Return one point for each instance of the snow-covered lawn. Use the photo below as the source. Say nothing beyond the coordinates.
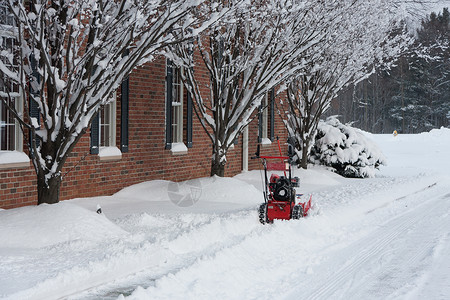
(386, 237)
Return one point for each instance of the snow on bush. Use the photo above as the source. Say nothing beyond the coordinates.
(346, 149)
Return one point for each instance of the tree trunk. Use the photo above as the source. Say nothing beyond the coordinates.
(48, 192)
(304, 160)
(217, 168)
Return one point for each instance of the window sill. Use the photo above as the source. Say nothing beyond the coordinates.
(13, 160)
(109, 153)
(265, 142)
(179, 149)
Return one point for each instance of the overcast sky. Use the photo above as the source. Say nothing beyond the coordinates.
(440, 5)
(444, 3)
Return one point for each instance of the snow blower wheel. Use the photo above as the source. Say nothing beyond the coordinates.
(263, 214)
(297, 212)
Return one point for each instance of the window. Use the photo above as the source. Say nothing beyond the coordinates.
(10, 134)
(177, 106)
(107, 125)
(11, 143)
(8, 130)
(178, 112)
(6, 18)
(103, 133)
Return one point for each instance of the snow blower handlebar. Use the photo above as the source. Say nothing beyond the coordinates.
(257, 155)
(282, 160)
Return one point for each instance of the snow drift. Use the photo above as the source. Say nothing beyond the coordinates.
(46, 225)
(379, 238)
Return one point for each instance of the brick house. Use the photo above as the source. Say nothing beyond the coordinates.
(148, 132)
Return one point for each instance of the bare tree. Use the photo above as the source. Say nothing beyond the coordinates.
(73, 55)
(247, 53)
(360, 40)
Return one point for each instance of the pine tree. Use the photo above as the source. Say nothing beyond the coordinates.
(413, 96)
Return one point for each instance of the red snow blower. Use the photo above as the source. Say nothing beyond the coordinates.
(280, 198)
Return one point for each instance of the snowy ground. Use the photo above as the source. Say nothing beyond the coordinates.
(382, 238)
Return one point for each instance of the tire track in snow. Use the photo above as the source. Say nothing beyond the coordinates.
(230, 238)
(408, 260)
(346, 273)
(350, 275)
(187, 248)
(403, 197)
(438, 274)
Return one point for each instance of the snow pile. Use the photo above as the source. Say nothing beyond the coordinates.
(205, 190)
(10, 157)
(388, 236)
(230, 190)
(46, 225)
(346, 149)
(147, 191)
(109, 152)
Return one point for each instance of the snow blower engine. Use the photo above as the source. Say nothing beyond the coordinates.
(280, 198)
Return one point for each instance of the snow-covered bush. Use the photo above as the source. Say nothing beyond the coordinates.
(346, 149)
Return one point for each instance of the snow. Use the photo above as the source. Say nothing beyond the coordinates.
(386, 237)
(179, 148)
(109, 152)
(266, 141)
(347, 149)
(13, 157)
(76, 223)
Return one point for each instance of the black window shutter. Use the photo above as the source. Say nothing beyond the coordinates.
(260, 120)
(34, 110)
(169, 80)
(272, 114)
(33, 106)
(95, 134)
(124, 112)
(189, 120)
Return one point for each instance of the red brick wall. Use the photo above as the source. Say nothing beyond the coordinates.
(17, 187)
(86, 176)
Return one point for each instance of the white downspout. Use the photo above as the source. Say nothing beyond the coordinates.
(245, 149)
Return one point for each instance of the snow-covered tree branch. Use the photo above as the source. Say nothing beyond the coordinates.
(360, 39)
(70, 56)
(247, 53)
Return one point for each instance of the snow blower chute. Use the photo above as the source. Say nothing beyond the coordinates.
(280, 198)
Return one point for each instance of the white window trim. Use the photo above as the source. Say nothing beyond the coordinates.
(15, 158)
(179, 149)
(112, 125)
(111, 152)
(178, 146)
(19, 134)
(178, 105)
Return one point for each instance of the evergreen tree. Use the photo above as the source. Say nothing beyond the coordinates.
(413, 96)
